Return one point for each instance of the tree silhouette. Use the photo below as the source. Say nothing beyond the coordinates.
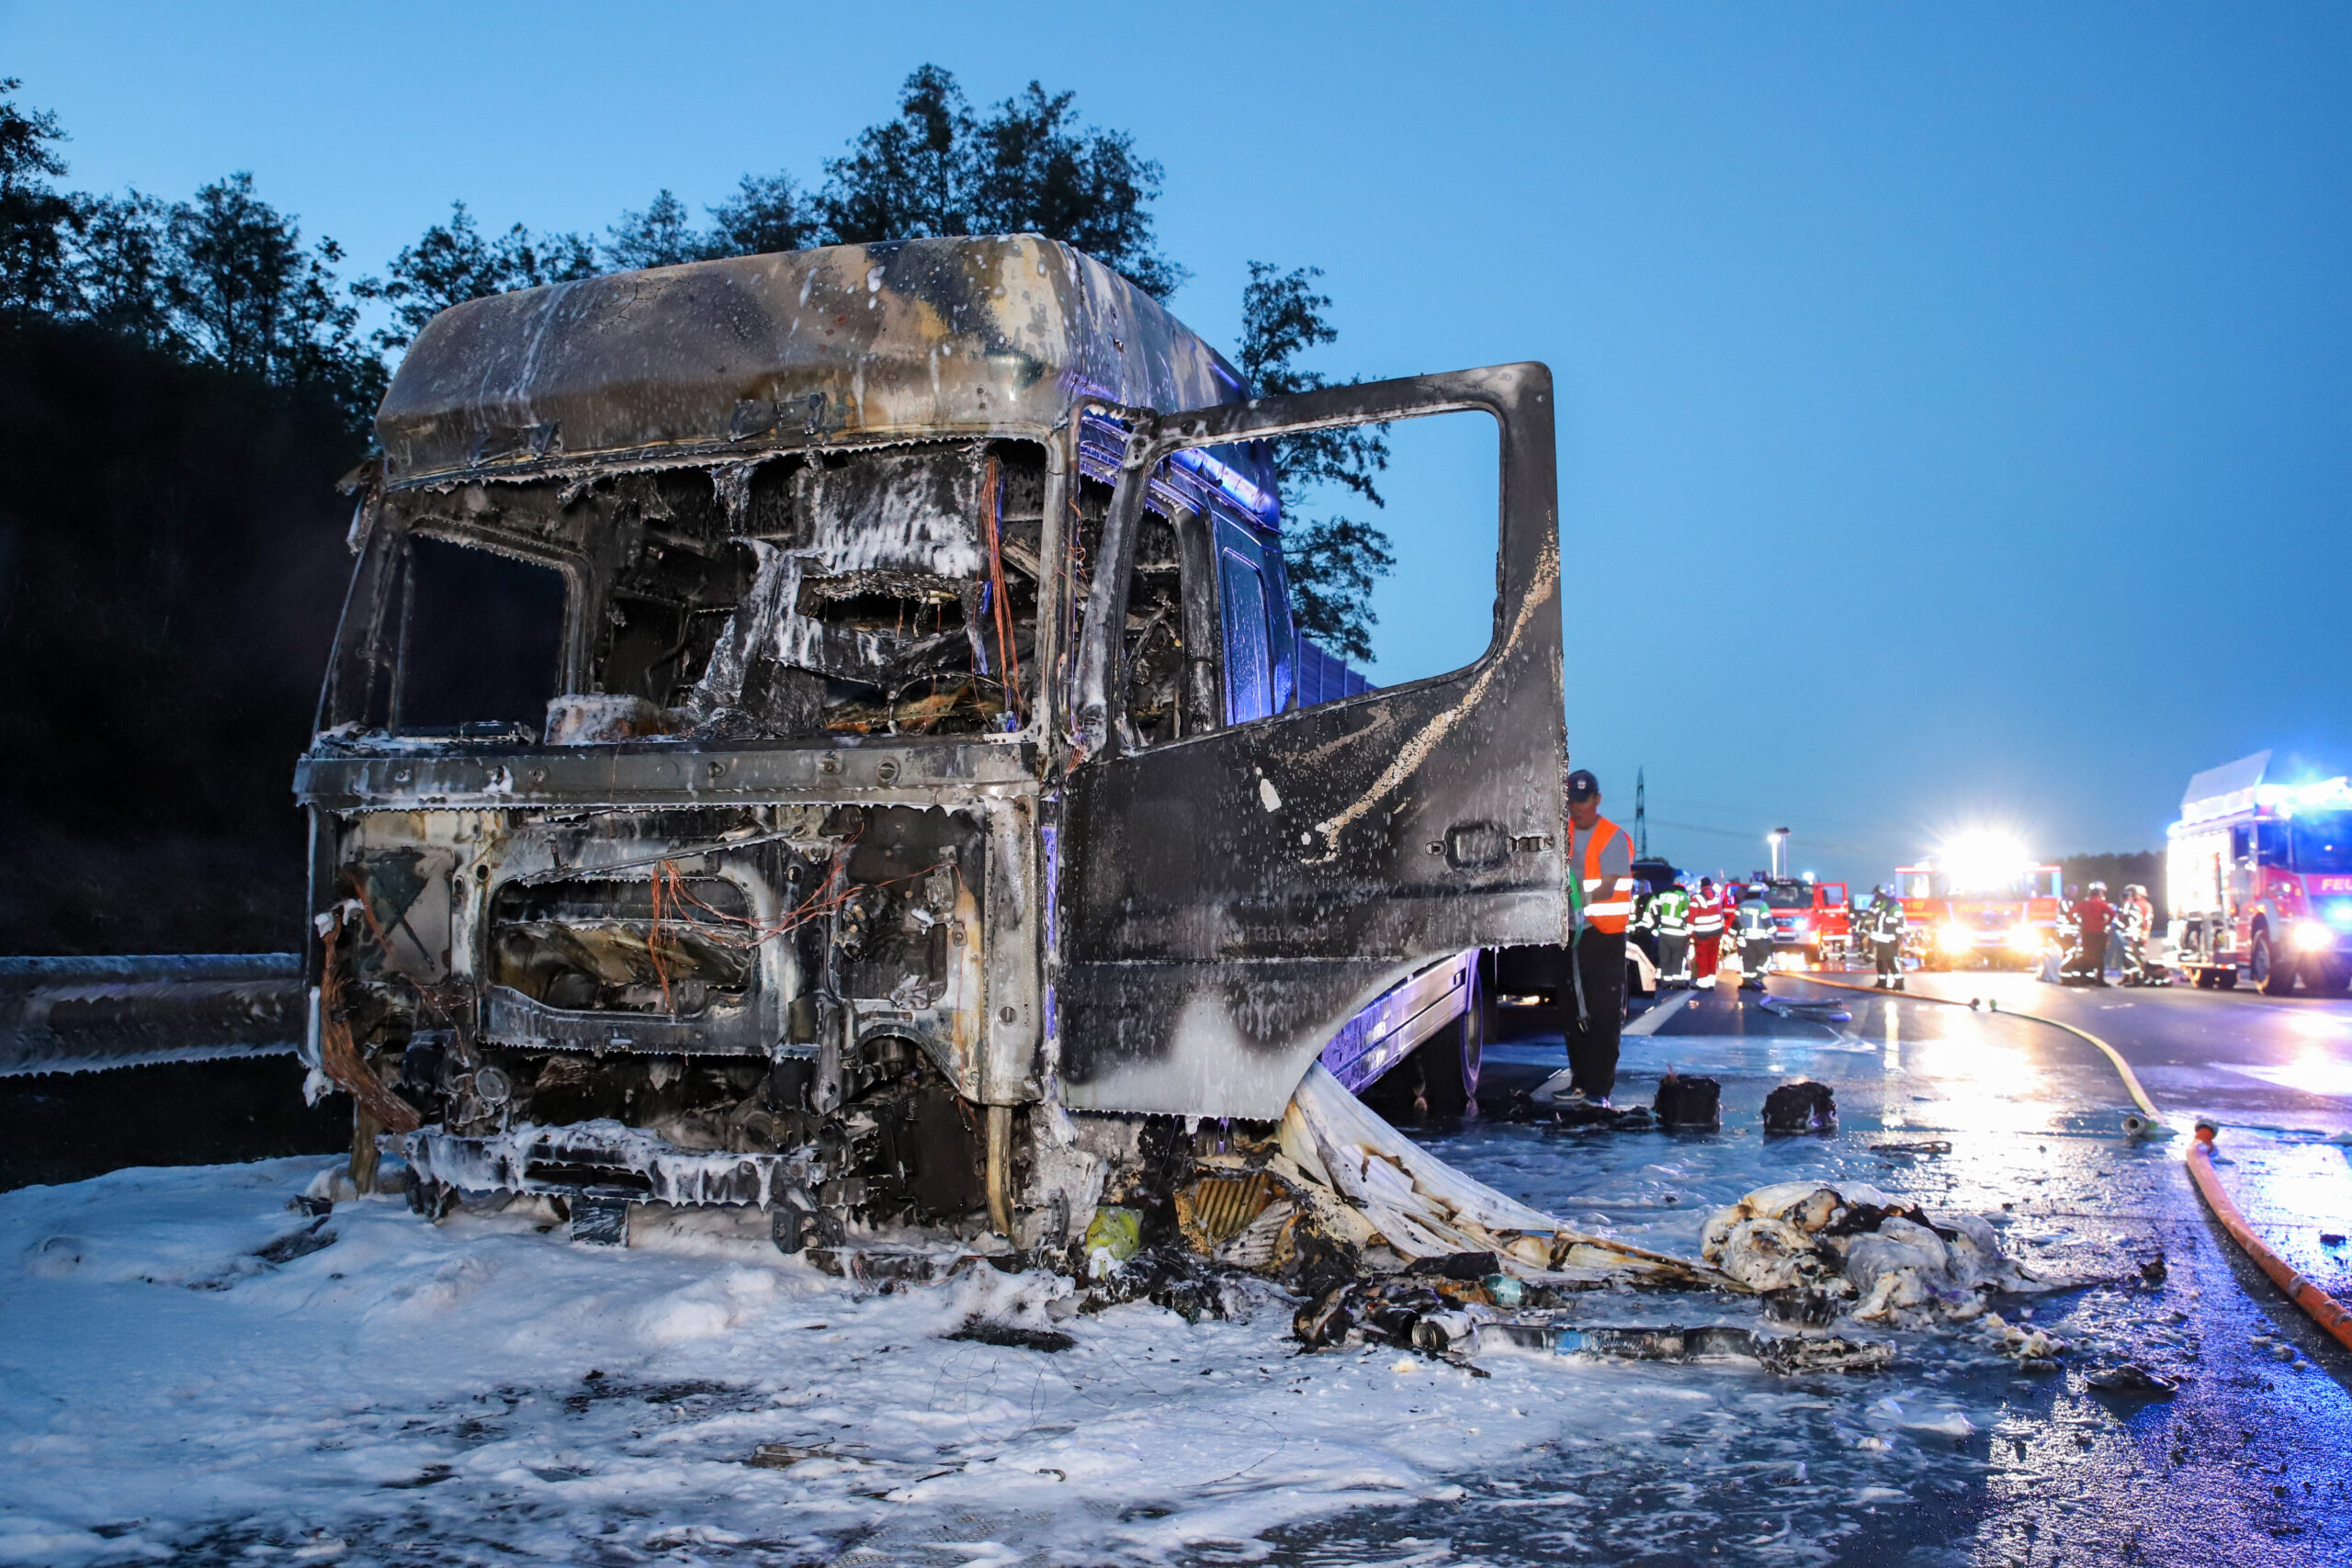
(1332, 562)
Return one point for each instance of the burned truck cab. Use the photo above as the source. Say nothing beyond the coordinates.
(823, 732)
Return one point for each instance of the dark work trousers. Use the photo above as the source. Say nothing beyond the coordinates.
(2094, 955)
(1889, 956)
(1596, 1011)
(1674, 956)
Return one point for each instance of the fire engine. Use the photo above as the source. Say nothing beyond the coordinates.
(2258, 878)
(1978, 904)
(1810, 920)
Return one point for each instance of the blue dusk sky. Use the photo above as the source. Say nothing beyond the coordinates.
(1954, 399)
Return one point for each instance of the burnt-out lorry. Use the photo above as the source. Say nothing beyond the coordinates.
(825, 731)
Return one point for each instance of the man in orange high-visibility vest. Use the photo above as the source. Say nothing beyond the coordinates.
(1600, 888)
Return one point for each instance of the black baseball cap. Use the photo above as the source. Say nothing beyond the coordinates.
(1582, 785)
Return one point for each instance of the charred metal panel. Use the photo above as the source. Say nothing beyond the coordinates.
(1012, 1021)
(917, 511)
(1231, 900)
(909, 340)
(355, 775)
(406, 892)
(906, 947)
(605, 1156)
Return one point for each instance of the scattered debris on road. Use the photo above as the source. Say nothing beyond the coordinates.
(1855, 1251)
(1794, 1109)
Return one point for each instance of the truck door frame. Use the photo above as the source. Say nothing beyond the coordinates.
(1226, 901)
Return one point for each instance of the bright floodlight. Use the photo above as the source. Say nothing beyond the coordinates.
(1983, 860)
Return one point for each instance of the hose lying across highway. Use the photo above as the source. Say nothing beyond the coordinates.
(2130, 1080)
(2324, 1309)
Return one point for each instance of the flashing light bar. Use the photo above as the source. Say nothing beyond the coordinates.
(2326, 795)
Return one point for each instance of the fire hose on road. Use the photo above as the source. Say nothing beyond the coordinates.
(2322, 1309)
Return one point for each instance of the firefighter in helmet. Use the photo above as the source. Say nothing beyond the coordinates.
(1885, 926)
(1672, 908)
(1752, 917)
(2135, 923)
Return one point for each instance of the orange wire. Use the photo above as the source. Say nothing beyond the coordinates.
(1008, 656)
(821, 902)
(653, 937)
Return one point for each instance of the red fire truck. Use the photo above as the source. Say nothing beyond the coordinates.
(1810, 920)
(2258, 878)
(1979, 907)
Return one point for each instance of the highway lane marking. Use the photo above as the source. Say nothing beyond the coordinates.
(2333, 1079)
(1648, 1023)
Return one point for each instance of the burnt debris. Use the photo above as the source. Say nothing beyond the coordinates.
(1795, 1110)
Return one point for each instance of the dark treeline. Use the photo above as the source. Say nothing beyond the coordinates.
(171, 565)
(182, 381)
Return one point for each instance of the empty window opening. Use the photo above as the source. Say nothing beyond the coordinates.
(478, 639)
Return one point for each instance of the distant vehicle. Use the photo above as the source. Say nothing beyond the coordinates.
(2258, 879)
(1810, 919)
(1979, 910)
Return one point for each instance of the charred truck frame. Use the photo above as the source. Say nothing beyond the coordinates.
(928, 820)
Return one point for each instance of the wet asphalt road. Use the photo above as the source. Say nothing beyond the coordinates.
(2251, 1462)
(2260, 1461)
(2233, 1055)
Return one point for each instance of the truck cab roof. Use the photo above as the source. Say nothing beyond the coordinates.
(844, 344)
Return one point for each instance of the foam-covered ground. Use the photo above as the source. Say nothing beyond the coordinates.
(189, 1373)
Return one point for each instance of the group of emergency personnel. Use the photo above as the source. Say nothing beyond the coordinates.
(2094, 936)
(1690, 928)
(1691, 931)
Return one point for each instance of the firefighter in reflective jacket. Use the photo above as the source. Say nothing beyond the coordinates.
(1885, 927)
(1672, 909)
(1601, 888)
(2135, 918)
(1751, 917)
(1706, 932)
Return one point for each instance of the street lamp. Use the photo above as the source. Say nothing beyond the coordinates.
(1776, 837)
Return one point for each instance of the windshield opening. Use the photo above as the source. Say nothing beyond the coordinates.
(478, 640)
(878, 592)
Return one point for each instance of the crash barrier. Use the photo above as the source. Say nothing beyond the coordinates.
(66, 1015)
(2322, 1309)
